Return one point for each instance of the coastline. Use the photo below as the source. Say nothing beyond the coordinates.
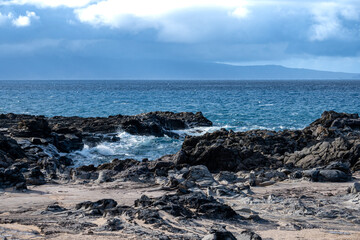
(275, 184)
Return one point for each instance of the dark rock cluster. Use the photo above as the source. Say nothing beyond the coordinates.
(335, 137)
(208, 168)
(32, 147)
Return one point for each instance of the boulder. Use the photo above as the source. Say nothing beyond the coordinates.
(226, 176)
(96, 208)
(333, 137)
(355, 188)
(200, 175)
(34, 177)
(68, 142)
(55, 208)
(153, 123)
(118, 165)
(12, 177)
(219, 233)
(104, 176)
(35, 127)
(112, 224)
(325, 175)
(249, 235)
(10, 149)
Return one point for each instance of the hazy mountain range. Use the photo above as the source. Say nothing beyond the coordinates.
(135, 69)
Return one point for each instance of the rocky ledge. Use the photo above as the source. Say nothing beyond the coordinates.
(257, 184)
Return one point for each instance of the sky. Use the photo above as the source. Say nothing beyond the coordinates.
(83, 35)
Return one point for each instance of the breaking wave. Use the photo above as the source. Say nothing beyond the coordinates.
(140, 147)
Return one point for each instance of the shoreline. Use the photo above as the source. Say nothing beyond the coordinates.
(270, 183)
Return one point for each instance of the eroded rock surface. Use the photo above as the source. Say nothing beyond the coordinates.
(33, 148)
(333, 137)
(222, 185)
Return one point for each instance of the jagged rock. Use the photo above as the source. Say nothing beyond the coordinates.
(296, 175)
(104, 176)
(228, 151)
(355, 188)
(21, 186)
(333, 137)
(204, 205)
(35, 177)
(118, 165)
(63, 160)
(55, 208)
(113, 224)
(334, 119)
(96, 208)
(10, 149)
(227, 176)
(12, 176)
(139, 173)
(324, 175)
(143, 201)
(160, 167)
(249, 235)
(149, 216)
(68, 142)
(325, 152)
(219, 233)
(153, 123)
(35, 127)
(200, 175)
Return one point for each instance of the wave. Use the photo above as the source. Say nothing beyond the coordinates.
(140, 147)
(129, 146)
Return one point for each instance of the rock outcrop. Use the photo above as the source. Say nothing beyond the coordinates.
(335, 137)
(40, 143)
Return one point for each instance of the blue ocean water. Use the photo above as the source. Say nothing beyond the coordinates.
(238, 105)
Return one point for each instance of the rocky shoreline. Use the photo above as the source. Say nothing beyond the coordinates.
(257, 184)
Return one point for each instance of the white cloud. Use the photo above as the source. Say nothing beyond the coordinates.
(48, 3)
(113, 12)
(24, 21)
(4, 18)
(240, 12)
(328, 20)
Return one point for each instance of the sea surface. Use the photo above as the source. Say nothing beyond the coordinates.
(237, 105)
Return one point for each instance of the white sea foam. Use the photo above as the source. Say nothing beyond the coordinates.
(50, 150)
(129, 146)
(198, 131)
(140, 147)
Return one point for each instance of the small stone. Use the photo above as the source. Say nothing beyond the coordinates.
(355, 188)
(249, 235)
(21, 186)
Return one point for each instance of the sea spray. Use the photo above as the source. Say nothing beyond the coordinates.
(139, 147)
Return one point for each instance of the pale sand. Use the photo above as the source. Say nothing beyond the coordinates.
(27, 207)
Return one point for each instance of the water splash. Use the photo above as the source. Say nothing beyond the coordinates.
(129, 146)
(140, 147)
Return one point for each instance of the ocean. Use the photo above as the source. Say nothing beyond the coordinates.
(236, 105)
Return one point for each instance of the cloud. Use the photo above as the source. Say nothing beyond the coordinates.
(48, 3)
(179, 21)
(271, 31)
(175, 21)
(19, 21)
(24, 21)
(331, 19)
(4, 18)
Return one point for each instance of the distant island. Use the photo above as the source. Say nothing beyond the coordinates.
(158, 69)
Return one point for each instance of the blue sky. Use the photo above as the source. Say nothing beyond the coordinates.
(322, 35)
